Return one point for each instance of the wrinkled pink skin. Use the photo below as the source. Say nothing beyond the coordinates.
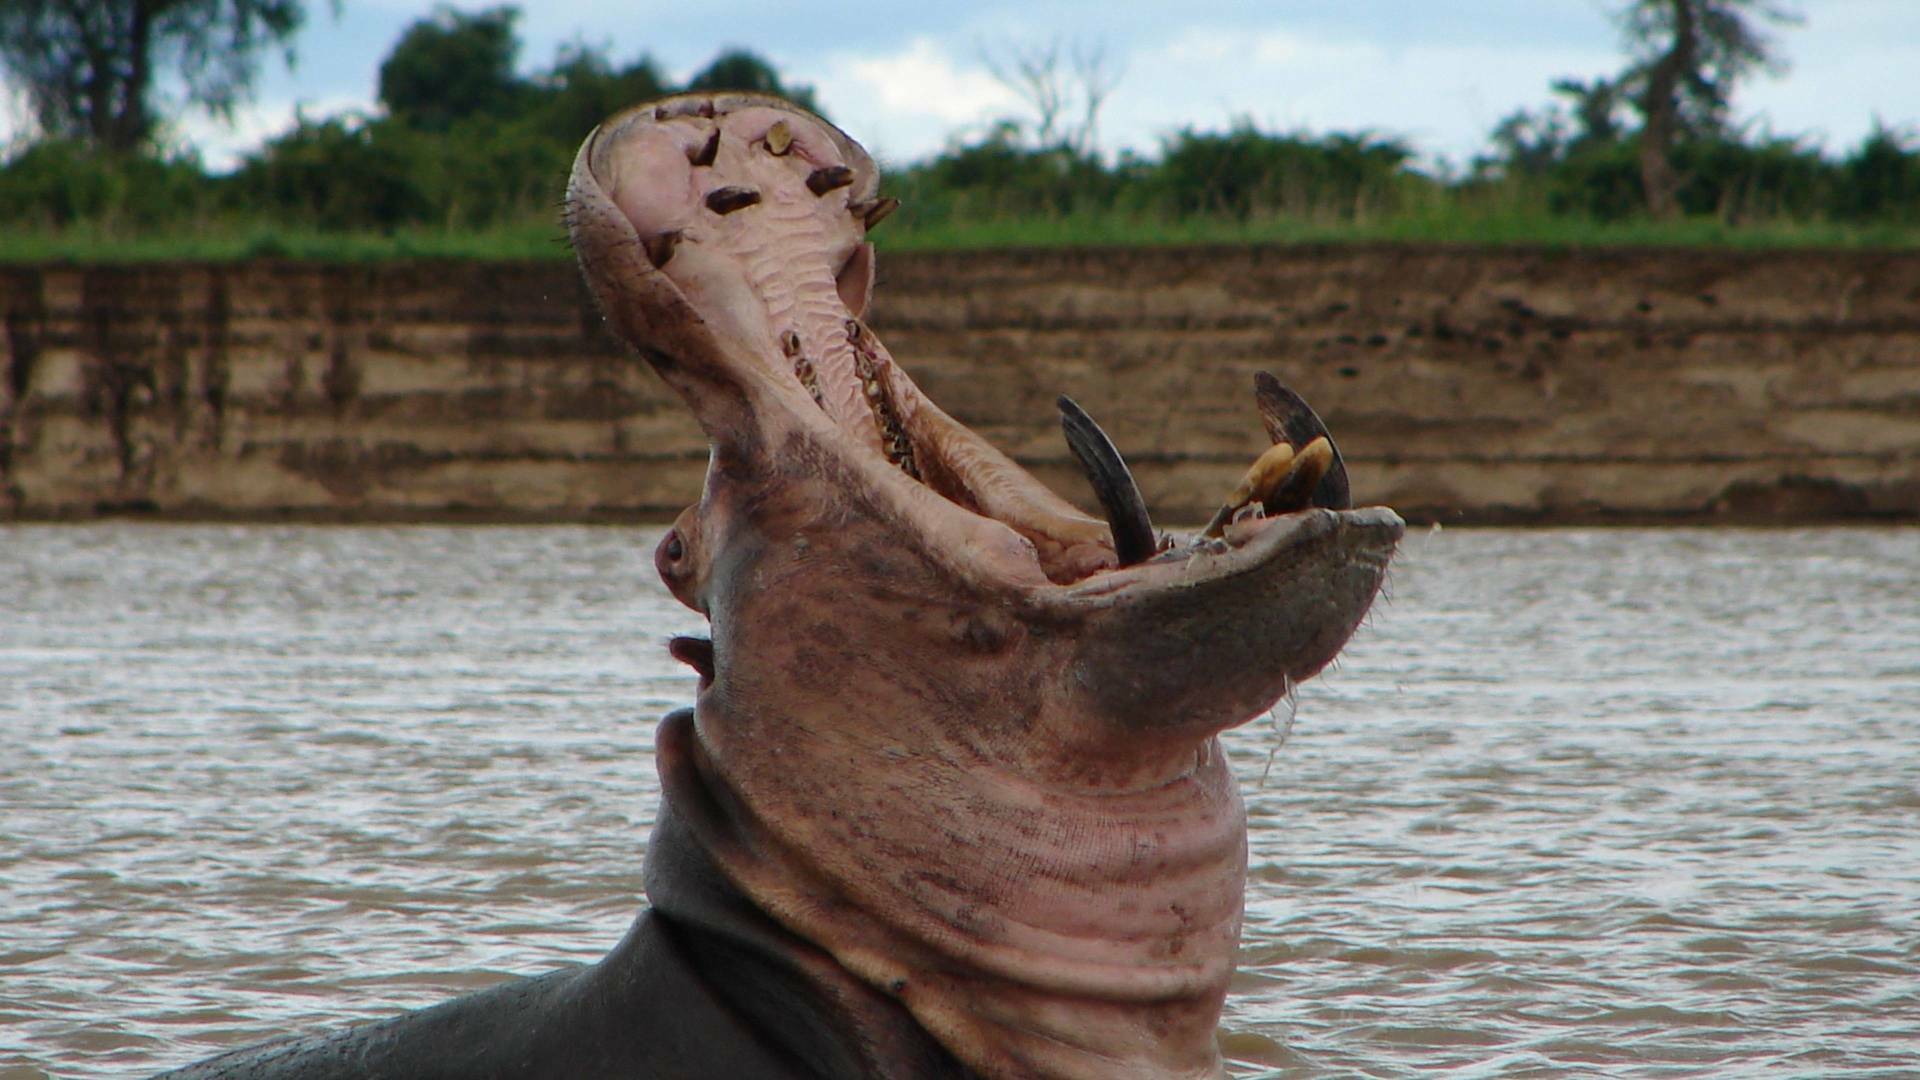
(939, 734)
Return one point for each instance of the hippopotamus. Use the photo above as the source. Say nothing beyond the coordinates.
(951, 800)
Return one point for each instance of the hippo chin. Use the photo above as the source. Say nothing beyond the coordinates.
(951, 800)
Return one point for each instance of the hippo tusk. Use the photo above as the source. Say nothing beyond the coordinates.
(1289, 419)
(1113, 484)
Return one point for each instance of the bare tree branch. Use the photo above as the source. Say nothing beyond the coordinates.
(1051, 91)
(1097, 81)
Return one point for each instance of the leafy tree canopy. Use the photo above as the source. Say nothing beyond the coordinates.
(583, 88)
(739, 69)
(452, 65)
(89, 66)
(1687, 56)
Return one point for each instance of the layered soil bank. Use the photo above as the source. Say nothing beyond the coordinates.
(1462, 385)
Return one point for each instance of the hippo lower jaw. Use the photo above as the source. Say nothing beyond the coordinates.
(942, 732)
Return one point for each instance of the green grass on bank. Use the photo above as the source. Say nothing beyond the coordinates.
(233, 242)
(1467, 230)
(536, 239)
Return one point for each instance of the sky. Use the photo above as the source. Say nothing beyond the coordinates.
(905, 77)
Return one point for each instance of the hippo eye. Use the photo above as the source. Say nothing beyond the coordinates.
(675, 549)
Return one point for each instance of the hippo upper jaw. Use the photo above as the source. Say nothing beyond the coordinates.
(753, 316)
(942, 732)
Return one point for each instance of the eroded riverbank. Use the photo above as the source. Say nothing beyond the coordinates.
(1465, 385)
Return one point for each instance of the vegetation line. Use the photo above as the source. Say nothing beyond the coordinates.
(545, 240)
(466, 155)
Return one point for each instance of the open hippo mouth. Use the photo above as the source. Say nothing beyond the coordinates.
(951, 730)
(725, 237)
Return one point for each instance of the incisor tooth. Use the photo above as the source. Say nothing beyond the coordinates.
(659, 248)
(1266, 472)
(1293, 489)
(779, 138)
(707, 151)
(872, 211)
(828, 177)
(728, 199)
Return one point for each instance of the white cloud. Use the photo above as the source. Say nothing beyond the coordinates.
(1444, 97)
(924, 79)
(1282, 48)
(903, 104)
(1201, 45)
(1848, 63)
(16, 116)
(904, 80)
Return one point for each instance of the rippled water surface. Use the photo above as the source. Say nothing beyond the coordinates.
(1626, 803)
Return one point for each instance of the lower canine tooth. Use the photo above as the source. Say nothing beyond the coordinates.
(1113, 484)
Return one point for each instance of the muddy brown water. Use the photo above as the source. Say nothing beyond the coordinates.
(1626, 803)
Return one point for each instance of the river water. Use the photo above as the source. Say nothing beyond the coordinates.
(1638, 803)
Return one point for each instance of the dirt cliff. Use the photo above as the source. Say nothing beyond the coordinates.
(1463, 384)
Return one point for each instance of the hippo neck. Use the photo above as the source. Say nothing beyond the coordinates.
(789, 991)
(1101, 950)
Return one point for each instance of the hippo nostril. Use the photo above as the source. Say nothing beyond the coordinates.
(675, 549)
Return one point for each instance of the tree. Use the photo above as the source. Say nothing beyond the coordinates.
(583, 88)
(1045, 85)
(1596, 109)
(1529, 143)
(738, 69)
(452, 65)
(1689, 54)
(89, 66)
(1881, 179)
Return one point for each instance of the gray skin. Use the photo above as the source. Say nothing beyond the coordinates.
(951, 800)
(702, 985)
